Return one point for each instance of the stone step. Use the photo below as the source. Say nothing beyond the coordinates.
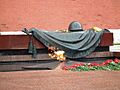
(23, 57)
(28, 65)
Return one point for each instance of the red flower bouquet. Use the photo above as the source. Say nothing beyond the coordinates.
(106, 65)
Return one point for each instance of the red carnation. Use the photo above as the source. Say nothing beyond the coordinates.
(116, 60)
(65, 68)
(94, 64)
(103, 64)
(72, 67)
(78, 64)
(81, 64)
(108, 61)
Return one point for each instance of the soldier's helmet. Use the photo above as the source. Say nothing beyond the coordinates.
(75, 26)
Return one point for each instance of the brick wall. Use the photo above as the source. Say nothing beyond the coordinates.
(57, 14)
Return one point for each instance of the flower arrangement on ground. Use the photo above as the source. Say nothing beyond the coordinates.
(108, 65)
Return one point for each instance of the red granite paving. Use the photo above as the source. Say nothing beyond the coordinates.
(60, 80)
(57, 14)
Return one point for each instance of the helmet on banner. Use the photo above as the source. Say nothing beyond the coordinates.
(75, 26)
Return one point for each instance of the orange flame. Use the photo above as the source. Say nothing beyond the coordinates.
(57, 54)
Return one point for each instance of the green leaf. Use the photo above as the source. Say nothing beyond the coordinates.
(112, 63)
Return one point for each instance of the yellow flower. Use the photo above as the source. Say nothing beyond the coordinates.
(97, 29)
